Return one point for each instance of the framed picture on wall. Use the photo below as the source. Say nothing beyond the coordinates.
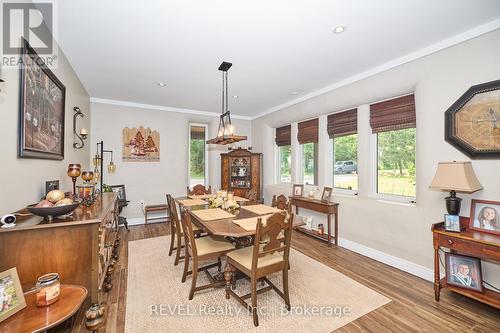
(298, 190)
(463, 271)
(484, 216)
(11, 294)
(51, 185)
(42, 109)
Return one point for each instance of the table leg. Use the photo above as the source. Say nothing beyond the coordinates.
(329, 227)
(336, 227)
(296, 210)
(228, 276)
(437, 278)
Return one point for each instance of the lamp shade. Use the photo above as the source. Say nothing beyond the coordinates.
(456, 176)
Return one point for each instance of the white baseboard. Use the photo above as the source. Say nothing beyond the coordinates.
(404, 265)
(140, 220)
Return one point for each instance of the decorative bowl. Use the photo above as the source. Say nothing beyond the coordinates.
(51, 212)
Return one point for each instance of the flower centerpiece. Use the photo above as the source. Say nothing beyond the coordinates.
(223, 202)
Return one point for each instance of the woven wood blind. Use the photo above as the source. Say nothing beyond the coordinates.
(342, 123)
(197, 133)
(395, 114)
(284, 136)
(308, 131)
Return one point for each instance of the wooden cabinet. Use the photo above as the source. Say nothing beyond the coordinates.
(82, 249)
(241, 172)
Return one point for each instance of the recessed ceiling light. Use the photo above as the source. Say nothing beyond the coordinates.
(339, 29)
(236, 96)
(161, 84)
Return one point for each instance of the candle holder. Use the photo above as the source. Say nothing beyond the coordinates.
(74, 171)
(83, 131)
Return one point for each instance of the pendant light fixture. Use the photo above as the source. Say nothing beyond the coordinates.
(225, 132)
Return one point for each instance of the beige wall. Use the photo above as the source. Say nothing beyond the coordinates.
(150, 181)
(402, 231)
(22, 181)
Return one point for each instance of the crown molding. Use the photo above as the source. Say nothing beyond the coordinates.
(162, 108)
(446, 43)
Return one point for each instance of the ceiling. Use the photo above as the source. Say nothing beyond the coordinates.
(122, 49)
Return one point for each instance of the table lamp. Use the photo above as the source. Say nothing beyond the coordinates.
(455, 177)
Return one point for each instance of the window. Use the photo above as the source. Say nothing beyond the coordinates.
(393, 123)
(310, 163)
(285, 161)
(345, 157)
(283, 139)
(197, 155)
(396, 162)
(342, 128)
(307, 136)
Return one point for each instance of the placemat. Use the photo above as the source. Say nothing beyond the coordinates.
(200, 196)
(261, 209)
(250, 223)
(192, 202)
(240, 199)
(212, 214)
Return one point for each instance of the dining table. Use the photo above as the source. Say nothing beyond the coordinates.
(226, 227)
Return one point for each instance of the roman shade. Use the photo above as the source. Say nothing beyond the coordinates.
(394, 114)
(197, 133)
(342, 123)
(308, 131)
(284, 136)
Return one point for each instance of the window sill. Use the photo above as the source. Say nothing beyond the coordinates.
(398, 203)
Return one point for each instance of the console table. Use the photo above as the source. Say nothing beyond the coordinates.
(40, 319)
(470, 242)
(328, 208)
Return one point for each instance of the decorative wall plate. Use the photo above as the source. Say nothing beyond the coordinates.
(472, 123)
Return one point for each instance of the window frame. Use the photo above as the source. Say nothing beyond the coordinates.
(339, 190)
(412, 200)
(316, 166)
(205, 153)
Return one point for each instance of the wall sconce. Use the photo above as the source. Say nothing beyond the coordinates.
(83, 131)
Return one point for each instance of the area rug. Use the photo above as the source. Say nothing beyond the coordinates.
(322, 299)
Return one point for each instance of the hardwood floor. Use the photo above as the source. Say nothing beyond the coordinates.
(412, 309)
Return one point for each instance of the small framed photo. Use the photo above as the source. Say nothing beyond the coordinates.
(298, 190)
(484, 216)
(327, 193)
(51, 185)
(452, 223)
(11, 294)
(464, 272)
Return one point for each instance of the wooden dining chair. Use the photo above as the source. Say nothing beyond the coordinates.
(199, 190)
(280, 202)
(202, 249)
(177, 231)
(261, 260)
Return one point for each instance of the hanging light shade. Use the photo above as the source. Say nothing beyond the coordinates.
(225, 132)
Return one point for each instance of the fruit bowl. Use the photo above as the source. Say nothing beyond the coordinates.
(51, 212)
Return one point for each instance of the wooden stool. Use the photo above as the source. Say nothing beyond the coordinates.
(155, 208)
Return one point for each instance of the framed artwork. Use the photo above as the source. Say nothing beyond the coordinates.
(11, 294)
(452, 223)
(140, 145)
(41, 115)
(463, 271)
(327, 194)
(484, 216)
(472, 123)
(298, 190)
(51, 185)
